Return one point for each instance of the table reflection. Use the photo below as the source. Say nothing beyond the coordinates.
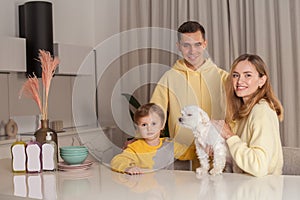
(20, 187)
(240, 187)
(77, 189)
(148, 186)
(173, 185)
(49, 183)
(44, 185)
(100, 182)
(35, 186)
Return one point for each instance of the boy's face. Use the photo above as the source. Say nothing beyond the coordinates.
(149, 127)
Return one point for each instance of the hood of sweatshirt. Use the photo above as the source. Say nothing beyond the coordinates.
(206, 76)
(181, 66)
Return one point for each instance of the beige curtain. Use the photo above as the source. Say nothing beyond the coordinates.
(269, 28)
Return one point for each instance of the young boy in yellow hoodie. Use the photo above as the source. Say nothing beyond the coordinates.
(149, 152)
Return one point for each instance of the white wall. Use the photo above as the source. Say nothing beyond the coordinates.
(80, 22)
(107, 19)
(74, 22)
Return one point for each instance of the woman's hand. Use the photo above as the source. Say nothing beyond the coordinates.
(223, 128)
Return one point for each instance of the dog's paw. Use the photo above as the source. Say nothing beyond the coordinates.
(215, 171)
(201, 171)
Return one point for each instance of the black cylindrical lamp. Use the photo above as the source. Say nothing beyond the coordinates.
(35, 24)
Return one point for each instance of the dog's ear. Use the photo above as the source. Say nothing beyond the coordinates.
(204, 115)
(199, 109)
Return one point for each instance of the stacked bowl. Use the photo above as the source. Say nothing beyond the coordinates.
(74, 155)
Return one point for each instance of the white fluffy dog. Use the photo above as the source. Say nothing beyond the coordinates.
(206, 136)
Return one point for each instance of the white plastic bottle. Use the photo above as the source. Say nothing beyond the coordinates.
(33, 152)
(49, 154)
(18, 155)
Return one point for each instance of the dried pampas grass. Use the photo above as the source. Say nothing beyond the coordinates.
(30, 88)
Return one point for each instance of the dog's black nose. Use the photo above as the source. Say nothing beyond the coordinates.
(180, 119)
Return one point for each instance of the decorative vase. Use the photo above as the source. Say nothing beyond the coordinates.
(41, 134)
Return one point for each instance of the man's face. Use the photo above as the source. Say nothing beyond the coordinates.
(192, 46)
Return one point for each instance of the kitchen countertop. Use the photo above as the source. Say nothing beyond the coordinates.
(99, 182)
(27, 136)
(65, 132)
(97, 139)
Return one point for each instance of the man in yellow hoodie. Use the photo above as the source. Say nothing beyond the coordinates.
(193, 80)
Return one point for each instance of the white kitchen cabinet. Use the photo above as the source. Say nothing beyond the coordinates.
(75, 59)
(12, 54)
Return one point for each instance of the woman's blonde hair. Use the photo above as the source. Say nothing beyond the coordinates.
(236, 108)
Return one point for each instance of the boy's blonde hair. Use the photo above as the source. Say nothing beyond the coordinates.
(146, 110)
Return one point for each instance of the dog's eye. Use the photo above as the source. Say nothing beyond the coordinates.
(189, 115)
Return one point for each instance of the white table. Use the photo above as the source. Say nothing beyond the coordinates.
(99, 182)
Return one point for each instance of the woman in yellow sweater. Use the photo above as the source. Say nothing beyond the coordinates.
(253, 112)
(149, 152)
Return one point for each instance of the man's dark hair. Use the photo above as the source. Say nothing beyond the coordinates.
(190, 27)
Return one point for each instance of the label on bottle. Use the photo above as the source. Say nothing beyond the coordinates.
(33, 158)
(48, 156)
(19, 157)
